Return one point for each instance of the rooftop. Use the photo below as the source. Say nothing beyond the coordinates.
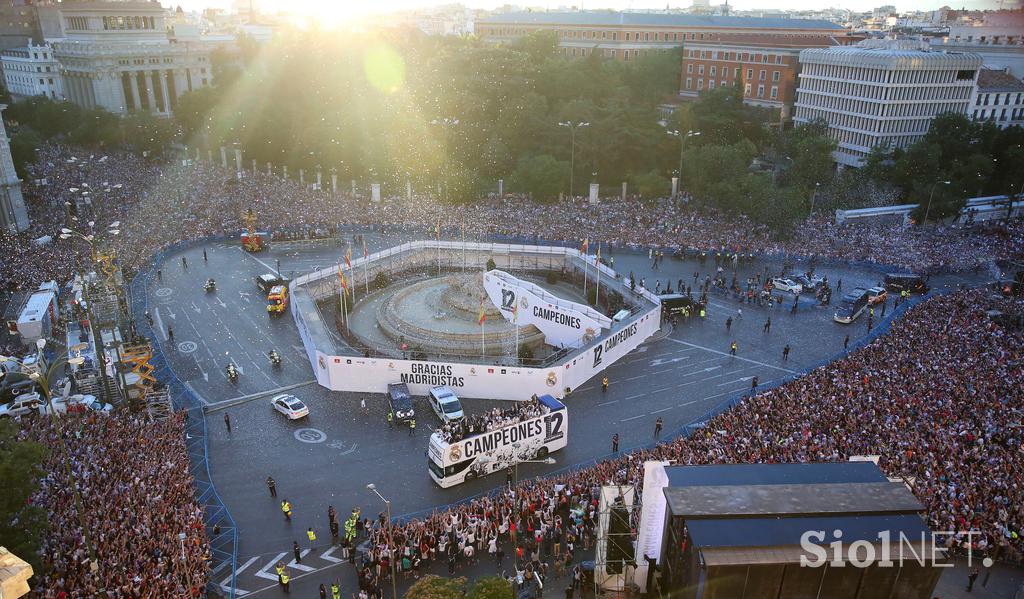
(994, 80)
(635, 19)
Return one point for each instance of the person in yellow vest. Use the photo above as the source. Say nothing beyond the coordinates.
(732, 349)
(335, 591)
(311, 535)
(287, 509)
(284, 581)
(280, 571)
(412, 426)
(702, 313)
(604, 384)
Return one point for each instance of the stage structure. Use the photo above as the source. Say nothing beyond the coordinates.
(431, 313)
(618, 515)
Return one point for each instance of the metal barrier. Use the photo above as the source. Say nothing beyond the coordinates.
(224, 544)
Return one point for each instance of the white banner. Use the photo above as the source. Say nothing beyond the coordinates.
(594, 187)
(652, 520)
(564, 323)
(375, 192)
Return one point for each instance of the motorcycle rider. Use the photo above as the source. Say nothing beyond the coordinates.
(275, 358)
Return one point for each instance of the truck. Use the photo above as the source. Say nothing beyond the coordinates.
(277, 300)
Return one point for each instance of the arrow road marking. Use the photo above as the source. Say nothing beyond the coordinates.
(327, 555)
(196, 308)
(298, 566)
(262, 573)
(350, 450)
(226, 583)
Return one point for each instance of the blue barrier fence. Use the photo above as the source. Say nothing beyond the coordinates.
(223, 544)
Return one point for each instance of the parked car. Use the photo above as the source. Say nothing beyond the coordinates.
(445, 404)
(22, 405)
(784, 284)
(809, 282)
(290, 406)
(877, 295)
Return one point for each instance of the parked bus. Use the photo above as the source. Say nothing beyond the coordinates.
(852, 306)
(483, 453)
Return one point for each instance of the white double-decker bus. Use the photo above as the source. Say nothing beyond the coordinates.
(483, 453)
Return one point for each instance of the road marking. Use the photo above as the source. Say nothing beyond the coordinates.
(739, 380)
(662, 410)
(262, 573)
(269, 267)
(687, 403)
(635, 396)
(327, 555)
(722, 353)
(632, 418)
(159, 323)
(226, 583)
(196, 308)
(608, 402)
(298, 566)
(227, 403)
(633, 378)
(310, 435)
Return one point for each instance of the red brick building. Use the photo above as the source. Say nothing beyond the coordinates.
(764, 65)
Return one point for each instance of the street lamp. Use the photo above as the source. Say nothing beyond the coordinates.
(387, 504)
(42, 378)
(813, 196)
(928, 208)
(573, 127)
(682, 145)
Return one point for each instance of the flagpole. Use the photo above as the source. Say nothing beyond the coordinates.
(597, 267)
(438, 231)
(586, 253)
(366, 276)
(516, 324)
(354, 285)
(463, 245)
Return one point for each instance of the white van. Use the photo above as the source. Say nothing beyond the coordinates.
(445, 404)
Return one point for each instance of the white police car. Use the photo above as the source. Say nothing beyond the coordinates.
(784, 284)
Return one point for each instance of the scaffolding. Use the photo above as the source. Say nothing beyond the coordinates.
(158, 404)
(136, 357)
(618, 519)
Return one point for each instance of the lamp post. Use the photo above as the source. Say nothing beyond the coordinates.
(682, 145)
(813, 197)
(445, 124)
(573, 127)
(101, 355)
(42, 378)
(387, 504)
(931, 195)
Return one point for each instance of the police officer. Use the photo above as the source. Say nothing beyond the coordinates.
(732, 349)
(335, 590)
(279, 567)
(272, 486)
(391, 419)
(287, 509)
(657, 427)
(311, 535)
(604, 384)
(615, 443)
(284, 581)
(412, 426)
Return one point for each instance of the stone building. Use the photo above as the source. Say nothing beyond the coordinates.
(13, 215)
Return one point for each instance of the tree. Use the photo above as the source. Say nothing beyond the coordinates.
(541, 176)
(490, 587)
(22, 523)
(809, 149)
(435, 587)
(652, 185)
(24, 144)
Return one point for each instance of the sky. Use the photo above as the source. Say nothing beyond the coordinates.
(341, 8)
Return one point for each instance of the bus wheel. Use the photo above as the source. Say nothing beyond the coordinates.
(471, 475)
(541, 453)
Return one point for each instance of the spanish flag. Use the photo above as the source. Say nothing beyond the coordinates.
(585, 246)
(341, 279)
(483, 317)
(348, 258)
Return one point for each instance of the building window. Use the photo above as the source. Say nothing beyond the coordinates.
(689, 69)
(700, 69)
(746, 90)
(700, 84)
(760, 91)
(689, 83)
(711, 84)
(723, 83)
(629, 36)
(764, 58)
(647, 36)
(775, 92)
(750, 73)
(778, 59)
(736, 73)
(762, 73)
(775, 75)
(714, 70)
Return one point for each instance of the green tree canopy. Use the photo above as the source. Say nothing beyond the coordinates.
(22, 524)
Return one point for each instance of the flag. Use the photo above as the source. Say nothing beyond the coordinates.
(515, 312)
(483, 317)
(585, 246)
(599, 252)
(348, 258)
(341, 279)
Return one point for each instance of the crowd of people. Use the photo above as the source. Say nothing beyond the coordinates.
(492, 420)
(159, 204)
(937, 398)
(934, 397)
(120, 537)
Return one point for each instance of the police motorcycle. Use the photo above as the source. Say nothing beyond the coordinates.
(275, 358)
(210, 285)
(232, 372)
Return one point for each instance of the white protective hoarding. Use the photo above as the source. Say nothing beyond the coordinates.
(652, 519)
(564, 323)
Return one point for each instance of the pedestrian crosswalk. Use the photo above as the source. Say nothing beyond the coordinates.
(256, 573)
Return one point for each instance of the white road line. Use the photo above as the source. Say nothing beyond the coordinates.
(327, 555)
(739, 380)
(262, 573)
(298, 566)
(159, 323)
(722, 353)
(608, 402)
(635, 396)
(226, 583)
(662, 410)
(269, 267)
(238, 592)
(687, 403)
(633, 378)
(632, 418)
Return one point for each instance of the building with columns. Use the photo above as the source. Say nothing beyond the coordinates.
(881, 92)
(117, 55)
(13, 214)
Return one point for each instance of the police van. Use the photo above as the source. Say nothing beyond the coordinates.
(481, 454)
